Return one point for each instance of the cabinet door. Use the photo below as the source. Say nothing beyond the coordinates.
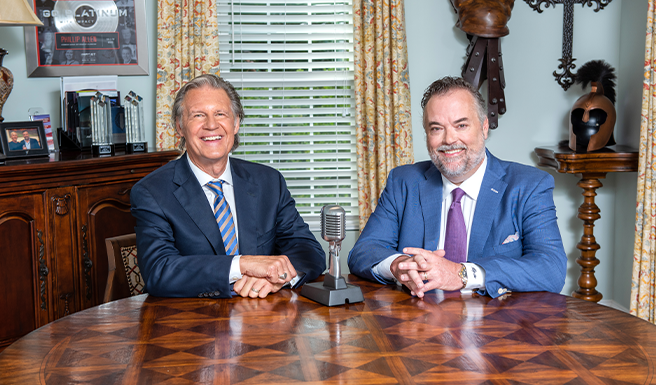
(61, 221)
(25, 290)
(104, 211)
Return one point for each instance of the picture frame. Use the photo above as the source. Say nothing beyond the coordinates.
(14, 135)
(78, 38)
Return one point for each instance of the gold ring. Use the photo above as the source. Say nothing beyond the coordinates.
(425, 276)
(283, 277)
(255, 290)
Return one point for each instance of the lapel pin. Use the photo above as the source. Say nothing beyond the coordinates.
(494, 190)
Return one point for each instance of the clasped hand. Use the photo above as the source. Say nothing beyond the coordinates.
(422, 270)
(263, 274)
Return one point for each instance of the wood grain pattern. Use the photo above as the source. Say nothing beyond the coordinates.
(390, 338)
(590, 167)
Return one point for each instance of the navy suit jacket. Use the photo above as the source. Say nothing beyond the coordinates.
(180, 249)
(513, 199)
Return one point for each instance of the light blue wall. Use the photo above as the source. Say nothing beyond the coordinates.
(537, 107)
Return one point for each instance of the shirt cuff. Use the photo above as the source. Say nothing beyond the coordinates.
(235, 271)
(384, 268)
(475, 276)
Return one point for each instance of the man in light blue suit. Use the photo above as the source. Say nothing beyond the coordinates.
(510, 239)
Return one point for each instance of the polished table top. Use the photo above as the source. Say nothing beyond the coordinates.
(520, 338)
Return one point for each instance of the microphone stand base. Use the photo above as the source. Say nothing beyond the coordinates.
(332, 291)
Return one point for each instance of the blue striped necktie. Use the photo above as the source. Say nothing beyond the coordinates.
(224, 219)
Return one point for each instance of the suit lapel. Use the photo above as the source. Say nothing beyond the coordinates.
(246, 201)
(191, 197)
(430, 199)
(487, 205)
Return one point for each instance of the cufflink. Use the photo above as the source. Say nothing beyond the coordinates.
(502, 290)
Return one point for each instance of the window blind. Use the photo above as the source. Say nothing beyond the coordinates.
(292, 64)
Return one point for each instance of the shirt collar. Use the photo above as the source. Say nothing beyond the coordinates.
(471, 186)
(204, 178)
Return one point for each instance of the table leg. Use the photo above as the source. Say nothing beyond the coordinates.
(588, 213)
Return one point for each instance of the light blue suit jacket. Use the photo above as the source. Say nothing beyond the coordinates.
(513, 199)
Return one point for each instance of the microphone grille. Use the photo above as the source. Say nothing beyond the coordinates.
(333, 219)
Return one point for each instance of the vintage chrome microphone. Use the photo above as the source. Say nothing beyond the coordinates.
(334, 290)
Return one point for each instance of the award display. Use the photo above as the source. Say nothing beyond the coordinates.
(135, 137)
(101, 125)
(82, 37)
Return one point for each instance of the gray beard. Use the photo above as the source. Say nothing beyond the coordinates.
(450, 173)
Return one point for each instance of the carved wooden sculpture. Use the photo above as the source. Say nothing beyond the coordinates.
(485, 21)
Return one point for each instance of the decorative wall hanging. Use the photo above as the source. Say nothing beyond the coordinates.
(100, 37)
(592, 118)
(485, 22)
(566, 78)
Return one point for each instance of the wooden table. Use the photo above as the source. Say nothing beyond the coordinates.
(590, 167)
(390, 338)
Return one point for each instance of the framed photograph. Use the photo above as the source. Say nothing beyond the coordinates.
(100, 37)
(23, 139)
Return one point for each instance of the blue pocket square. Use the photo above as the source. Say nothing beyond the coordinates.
(511, 238)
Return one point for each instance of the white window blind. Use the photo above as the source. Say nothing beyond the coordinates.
(292, 64)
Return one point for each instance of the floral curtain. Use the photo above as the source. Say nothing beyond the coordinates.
(643, 294)
(187, 46)
(382, 93)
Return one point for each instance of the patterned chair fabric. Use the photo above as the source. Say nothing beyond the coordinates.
(135, 282)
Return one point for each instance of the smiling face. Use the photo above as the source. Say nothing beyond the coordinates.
(69, 54)
(455, 137)
(14, 136)
(26, 136)
(209, 128)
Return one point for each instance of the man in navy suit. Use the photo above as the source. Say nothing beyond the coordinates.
(511, 240)
(180, 246)
(29, 143)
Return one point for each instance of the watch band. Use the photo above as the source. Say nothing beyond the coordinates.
(463, 275)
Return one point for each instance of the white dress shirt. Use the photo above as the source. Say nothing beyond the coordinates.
(471, 187)
(229, 193)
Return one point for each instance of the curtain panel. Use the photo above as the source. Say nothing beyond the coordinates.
(187, 46)
(382, 97)
(643, 295)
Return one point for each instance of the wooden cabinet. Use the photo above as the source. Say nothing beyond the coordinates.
(55, 214)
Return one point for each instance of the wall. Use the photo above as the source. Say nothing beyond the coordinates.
(537, 114)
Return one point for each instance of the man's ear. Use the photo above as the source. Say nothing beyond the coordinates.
(486, 126)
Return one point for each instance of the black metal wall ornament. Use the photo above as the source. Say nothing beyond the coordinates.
(566, 78)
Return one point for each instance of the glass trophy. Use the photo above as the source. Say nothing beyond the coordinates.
(135, 138)
(101, 125)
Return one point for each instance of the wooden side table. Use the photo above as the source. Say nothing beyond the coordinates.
(590, 167)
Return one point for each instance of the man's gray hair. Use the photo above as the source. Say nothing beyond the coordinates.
(214, 82)
(448, 84)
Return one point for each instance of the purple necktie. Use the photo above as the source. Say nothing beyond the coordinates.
(455, 243)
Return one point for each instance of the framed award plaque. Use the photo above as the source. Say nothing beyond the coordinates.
(100, 37)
